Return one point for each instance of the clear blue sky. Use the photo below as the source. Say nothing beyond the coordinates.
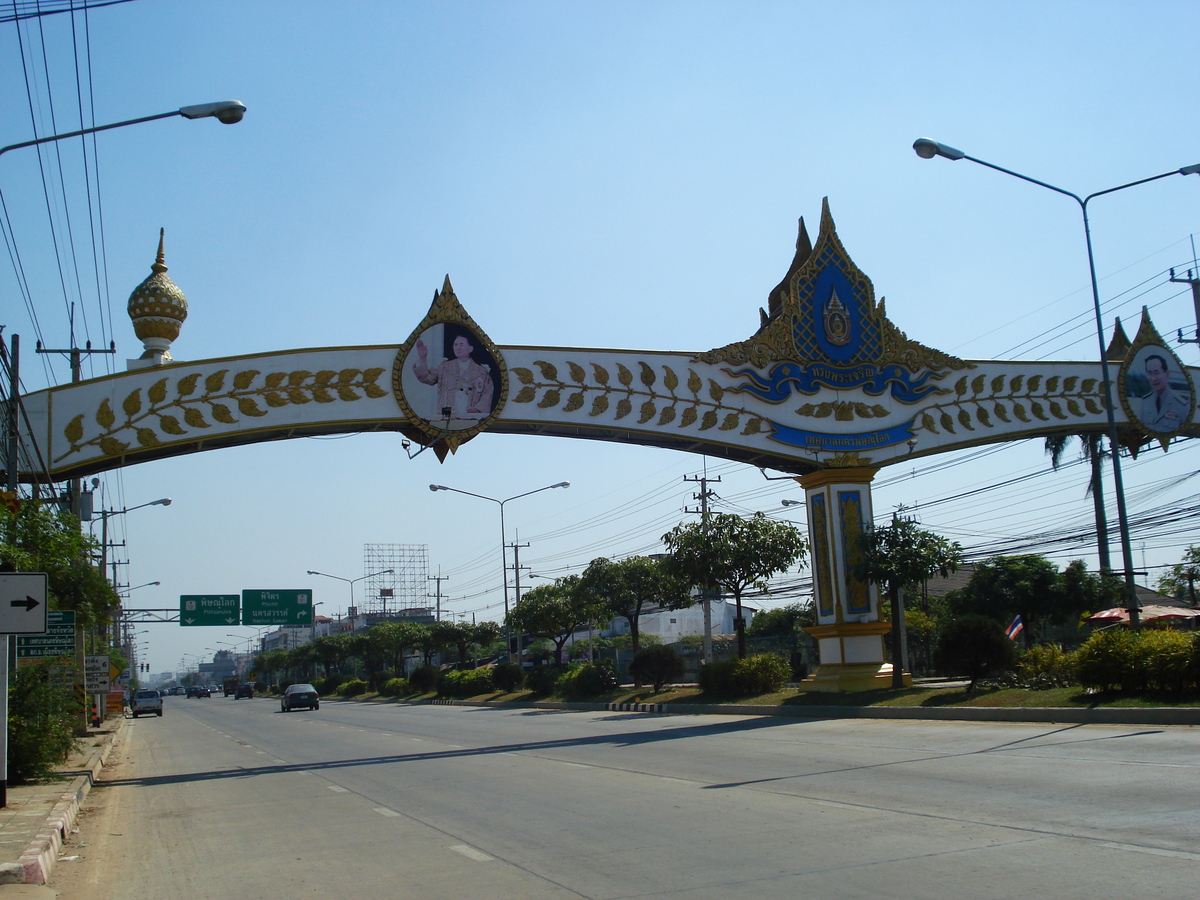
(589, 174)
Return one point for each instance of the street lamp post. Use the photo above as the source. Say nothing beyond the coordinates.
(349, 581)
(225, 111)
(503, 538)
(928, 149)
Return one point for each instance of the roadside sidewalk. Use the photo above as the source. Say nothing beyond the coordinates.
(38, 817)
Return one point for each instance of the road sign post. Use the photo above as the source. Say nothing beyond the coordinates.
(23, 603)
(57, 639)
(209, 609)
(281, 607)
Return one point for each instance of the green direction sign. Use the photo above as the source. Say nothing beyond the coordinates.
(277, 608)
(59, 639)
(209, 609)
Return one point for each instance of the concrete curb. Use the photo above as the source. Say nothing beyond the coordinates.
(1033, 715)
(37, 862)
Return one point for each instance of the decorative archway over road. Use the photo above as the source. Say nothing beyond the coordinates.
(827, 389)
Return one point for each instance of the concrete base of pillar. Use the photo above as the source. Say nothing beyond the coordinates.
(832, 678)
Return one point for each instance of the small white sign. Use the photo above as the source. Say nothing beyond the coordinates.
(96, 671)
(23, 603)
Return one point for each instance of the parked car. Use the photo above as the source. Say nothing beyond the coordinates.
(298, 696)
(198, 690)
(145, 702)
(244, 690)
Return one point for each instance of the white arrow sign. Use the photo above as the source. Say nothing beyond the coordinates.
(23, 603)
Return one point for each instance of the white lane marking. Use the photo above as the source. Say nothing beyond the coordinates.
(574, 765)
(1154, 851)
(454, 746)
(418, 740)
(384, 811)
(471, 853)
(282, 762)
(337, 789)
(263, 752)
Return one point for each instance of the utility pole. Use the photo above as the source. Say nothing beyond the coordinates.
(702, 496)
(1195, 283)
(439, 578)
(76, 354)
(516, 549)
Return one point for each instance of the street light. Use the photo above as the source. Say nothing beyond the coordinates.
(349, 581)
(503, 535)
(225, 111)
(135, 587)
(106, 514)
(928, 149)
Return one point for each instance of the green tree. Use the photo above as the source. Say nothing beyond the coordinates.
(332, 651)
(625, 588)
(1091, 448)
(556, 610)
(42, 714)
(464, 635)
(1180, 580)
(394, 640)
(37, 539)
(1028, 586)
(657, 665)
(372, 651)
(901, 555)
(785, 621)
(975, 646)
(734, 554)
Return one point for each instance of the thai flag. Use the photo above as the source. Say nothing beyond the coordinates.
(1015, 628)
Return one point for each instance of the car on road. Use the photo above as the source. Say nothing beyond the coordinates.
(198, 690)
(244, 690)
(145, 702)
(299, 696)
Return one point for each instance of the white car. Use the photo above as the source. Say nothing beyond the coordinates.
(145, 702)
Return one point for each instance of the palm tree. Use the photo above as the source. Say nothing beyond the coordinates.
(1091, 446)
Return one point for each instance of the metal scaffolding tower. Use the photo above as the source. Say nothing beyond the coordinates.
(405, 588)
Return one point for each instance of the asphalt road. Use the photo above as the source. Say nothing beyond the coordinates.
(223, 798)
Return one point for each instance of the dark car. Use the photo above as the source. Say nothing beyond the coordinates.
(244, 690)
(198, 690)
(299, 696)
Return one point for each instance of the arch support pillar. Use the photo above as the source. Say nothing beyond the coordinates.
(848, 632)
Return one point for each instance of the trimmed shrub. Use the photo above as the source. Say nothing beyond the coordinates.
(1045, 666)
(261, 687)
(42, 718)
(465, 683)
(330, 683)
(1112, 660)
(582, 681)
(1168, 657)
(507, 677)
(543, 680)
(425, 679)
(351, 688)
(974, 646)
(763, 673)
(395, 687)
(657, 666)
